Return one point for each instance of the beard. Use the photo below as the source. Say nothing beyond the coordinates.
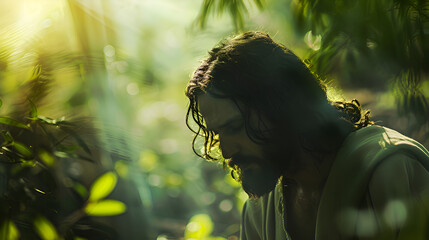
(259, 181)
(257, 176)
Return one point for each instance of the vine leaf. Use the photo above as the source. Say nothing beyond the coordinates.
(33, 110)
(105, 208)
(22, 149)
(12, 122)
(80, 189)
(8, 230)
(46, 157)
(45, 229)
(103, 186)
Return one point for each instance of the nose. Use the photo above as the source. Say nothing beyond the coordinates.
(228, 146)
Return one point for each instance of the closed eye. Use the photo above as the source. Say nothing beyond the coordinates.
(233, 127)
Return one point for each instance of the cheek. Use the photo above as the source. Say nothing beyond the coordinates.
(257, 151)
(249, 146)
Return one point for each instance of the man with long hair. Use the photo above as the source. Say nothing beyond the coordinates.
(313, 168)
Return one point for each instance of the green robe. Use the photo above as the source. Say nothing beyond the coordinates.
(377, 188)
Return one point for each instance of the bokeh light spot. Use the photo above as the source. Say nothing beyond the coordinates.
(225, 205)
(395, 213)
(208, 198)
(109, 51)
(133, 88)
(155, 180)
(168, 145)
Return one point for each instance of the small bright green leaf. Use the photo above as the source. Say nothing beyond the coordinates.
(105, 208)
(33, 110)
(9, 231)
(27, 163)
(80, 189)
(45, 229)
(121, 168)
(46, 157)
(1, 102)
(103, 186)
(21, 148)
(12, 122)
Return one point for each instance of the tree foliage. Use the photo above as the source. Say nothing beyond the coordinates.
(236, 8)
(33, 187)
(364, 43)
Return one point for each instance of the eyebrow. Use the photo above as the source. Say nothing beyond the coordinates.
(225, 124)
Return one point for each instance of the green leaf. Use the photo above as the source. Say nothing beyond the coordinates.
(9, 231)
(12, 122)
(7, 137)
(46, 157)
(1, 102)
(33, 110)
(237, 9)
(45, 229)
(103, 186)
(61, 154)
(80, 189)
(27, 163)
(21, 148)
(105, 208)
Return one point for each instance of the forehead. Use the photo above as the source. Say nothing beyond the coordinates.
(217, 111)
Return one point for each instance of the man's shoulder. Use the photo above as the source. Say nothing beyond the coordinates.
(361, 154)
(370, 158)
(377, 142)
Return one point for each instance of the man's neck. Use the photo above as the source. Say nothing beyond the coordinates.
(312, 173)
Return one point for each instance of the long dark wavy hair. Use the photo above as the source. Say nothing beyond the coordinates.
(269, 79)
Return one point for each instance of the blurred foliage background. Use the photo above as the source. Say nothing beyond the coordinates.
(94, 140)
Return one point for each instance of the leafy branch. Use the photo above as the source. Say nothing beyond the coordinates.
(29, 159)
